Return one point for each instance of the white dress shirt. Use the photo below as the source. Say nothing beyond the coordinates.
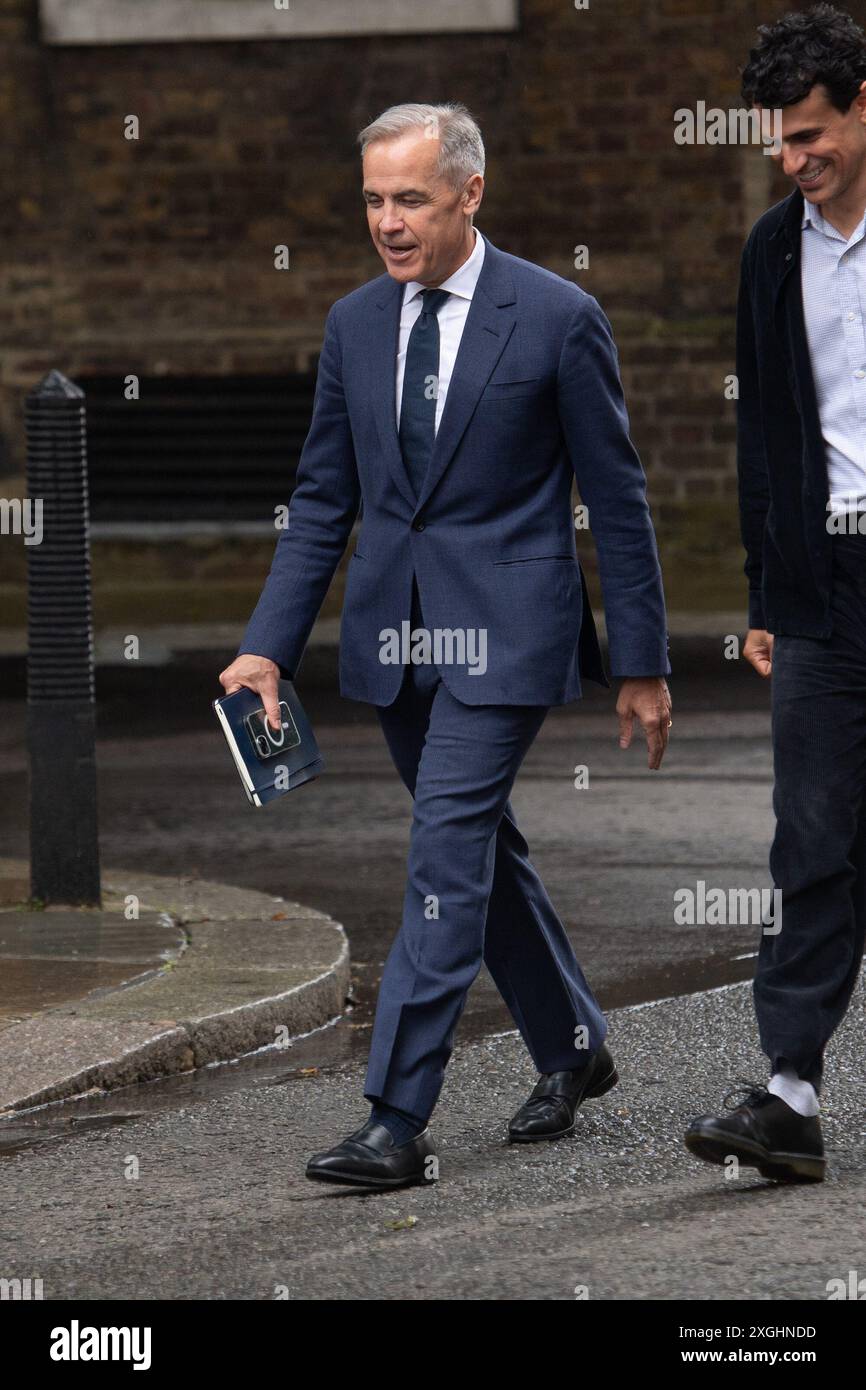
(452, 320)
(833, 278)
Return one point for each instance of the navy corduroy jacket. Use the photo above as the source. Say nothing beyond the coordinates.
(781, 461)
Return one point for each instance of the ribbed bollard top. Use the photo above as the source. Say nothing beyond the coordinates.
(59, 615)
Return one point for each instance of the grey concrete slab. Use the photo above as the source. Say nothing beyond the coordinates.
(29, 986)
(92, 936)
(59, 1054)
(234, 993)
(48, 958)
(232, 970)
(189, 898)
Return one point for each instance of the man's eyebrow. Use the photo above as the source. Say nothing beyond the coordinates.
(808, 134)
(401, 193)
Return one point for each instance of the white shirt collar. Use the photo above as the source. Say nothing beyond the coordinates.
(462, 282)
(813, 214)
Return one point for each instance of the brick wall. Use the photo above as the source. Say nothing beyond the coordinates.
(156, 255)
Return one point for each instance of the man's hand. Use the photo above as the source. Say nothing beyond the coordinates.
(758, 650)
(649, 700)
(257, 673)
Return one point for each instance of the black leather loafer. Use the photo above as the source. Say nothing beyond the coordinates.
(762, 1132)
(549, 1112)
(370, 1158)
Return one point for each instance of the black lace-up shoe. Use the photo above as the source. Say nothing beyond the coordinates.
(762, 1132)
(550, 1109)
(370, 1158)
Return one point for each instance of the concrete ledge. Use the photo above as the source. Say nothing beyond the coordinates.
(255, 968)
(161, 21)
(239, 983)
(58, 1055)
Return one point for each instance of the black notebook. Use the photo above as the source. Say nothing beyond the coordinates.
(270, 761)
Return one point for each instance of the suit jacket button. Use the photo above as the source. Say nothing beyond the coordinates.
(417, 525)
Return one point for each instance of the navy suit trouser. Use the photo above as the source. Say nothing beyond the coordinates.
(472, 894)
(807, 972)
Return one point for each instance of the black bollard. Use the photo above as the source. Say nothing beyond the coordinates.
(61, 722)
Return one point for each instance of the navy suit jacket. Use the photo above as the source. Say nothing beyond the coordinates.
(534, 400)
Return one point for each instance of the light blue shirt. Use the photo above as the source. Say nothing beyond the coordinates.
(833, 278)
(452, 318)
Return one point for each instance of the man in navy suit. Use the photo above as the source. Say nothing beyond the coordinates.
(458, 396)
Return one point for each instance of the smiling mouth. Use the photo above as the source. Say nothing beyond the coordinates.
(397, 250)
(813, 177)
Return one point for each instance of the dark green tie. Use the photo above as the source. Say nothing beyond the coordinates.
(420, 387)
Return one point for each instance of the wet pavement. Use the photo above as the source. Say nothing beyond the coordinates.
(237, 971)
(52, 957)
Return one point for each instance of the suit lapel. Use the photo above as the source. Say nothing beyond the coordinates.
(488, 327)
(382, 378)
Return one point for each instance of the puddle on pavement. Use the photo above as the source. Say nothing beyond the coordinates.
(36, 1128)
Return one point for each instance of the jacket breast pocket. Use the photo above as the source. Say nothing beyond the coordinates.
(560, 555)
(506, 390)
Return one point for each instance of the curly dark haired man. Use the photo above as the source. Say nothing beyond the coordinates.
(801, 437)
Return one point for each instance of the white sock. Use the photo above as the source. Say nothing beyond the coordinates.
(790, 1088)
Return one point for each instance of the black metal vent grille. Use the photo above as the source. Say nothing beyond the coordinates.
(195, 448)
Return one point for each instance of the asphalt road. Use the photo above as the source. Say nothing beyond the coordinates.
(207, 1200)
